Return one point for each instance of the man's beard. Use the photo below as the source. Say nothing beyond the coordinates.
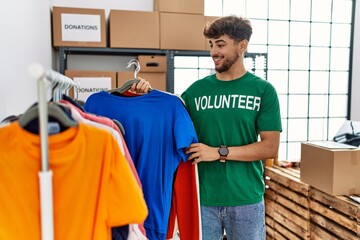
(228, 62)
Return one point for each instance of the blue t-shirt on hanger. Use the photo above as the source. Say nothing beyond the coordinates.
(158, 129)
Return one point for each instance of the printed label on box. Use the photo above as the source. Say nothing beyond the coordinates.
(90, 85)
(81, 27)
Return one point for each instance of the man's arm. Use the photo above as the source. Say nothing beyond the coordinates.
(266, 148)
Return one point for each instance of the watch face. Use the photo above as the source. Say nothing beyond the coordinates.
(223, 151)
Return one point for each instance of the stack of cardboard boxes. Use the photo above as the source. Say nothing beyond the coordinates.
(173, 25)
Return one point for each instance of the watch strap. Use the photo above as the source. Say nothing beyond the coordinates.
(223, 159)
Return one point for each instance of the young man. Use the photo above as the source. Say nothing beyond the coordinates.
(230, 110)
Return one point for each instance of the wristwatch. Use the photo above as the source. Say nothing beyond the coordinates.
(223, 151)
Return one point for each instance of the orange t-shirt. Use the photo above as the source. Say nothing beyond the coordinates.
(93, 186)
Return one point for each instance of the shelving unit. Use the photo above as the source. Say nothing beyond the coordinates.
(170, 55)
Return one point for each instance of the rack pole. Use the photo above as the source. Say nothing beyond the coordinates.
(45, 175)
(43, 122)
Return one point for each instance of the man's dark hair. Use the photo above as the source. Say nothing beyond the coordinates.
(237, 28)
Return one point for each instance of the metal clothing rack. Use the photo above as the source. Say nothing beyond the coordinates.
(45, 175)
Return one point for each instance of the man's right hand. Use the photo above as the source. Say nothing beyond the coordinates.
(141, 87)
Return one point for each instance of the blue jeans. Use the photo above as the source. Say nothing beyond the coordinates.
(239, 222)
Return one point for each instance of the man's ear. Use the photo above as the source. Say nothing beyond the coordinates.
(243, 45)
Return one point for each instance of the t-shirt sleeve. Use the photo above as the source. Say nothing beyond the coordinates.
(269, 116)
(184, 132)
(184, 98)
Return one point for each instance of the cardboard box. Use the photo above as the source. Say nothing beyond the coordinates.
(79, 27)
(180, 6)
(179, 31)
(91, 82)
(208, 19)
(134, 29)
(151, 63)
(333, 171)
(157, 79)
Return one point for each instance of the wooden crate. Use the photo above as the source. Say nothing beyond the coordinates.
(286, 204)
(295, 210)
(333, 217)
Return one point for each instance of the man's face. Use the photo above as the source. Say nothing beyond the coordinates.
(224, 52)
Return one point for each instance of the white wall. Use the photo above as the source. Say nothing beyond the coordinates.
(25, 39)
(355, 93)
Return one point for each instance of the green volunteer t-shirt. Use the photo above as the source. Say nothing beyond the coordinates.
(232, 113)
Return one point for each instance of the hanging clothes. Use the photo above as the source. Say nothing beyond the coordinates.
(106, 123)
(158, 130)
(93, 186)
(80, 115)
(185, 204)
